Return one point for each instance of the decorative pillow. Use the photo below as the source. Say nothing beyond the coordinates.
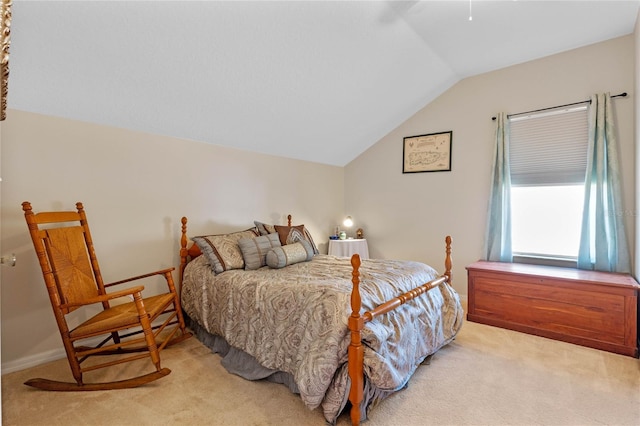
(290, 234)
(254, 250)
(293, 234)
(223, 251)
(309, 238)
(264, 229)
(194, 251)
(289, 254)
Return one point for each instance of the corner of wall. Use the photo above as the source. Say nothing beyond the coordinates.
(637, 144)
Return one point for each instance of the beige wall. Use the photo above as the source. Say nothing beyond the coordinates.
(407, 216)
(135, 188)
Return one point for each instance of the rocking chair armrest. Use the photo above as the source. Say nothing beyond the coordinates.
(139, 277)
(105, 297)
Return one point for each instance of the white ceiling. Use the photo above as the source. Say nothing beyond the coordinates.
(319, 81)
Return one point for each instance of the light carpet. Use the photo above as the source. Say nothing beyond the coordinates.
(487, 376)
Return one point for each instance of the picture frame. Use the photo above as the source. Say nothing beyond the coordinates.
(427, 153)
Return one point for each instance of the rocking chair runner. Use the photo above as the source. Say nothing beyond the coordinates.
(72, 276)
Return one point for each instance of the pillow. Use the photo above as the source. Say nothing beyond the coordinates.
(254, 250)
(263, 228)
(194, 251)
(290, 234)
(266, 229)
(289, 254)
(222, 251)
(293, 234)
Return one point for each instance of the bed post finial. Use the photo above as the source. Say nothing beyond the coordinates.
(447, 259)
(356, 350)
(288, 220)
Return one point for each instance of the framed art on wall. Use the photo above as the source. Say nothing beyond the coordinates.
(427, 153)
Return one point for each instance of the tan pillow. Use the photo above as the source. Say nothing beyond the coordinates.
(222, 251)
(290, 254)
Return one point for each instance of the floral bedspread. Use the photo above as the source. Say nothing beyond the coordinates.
(294, 320)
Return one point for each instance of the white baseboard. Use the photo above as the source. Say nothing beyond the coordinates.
(32, 360)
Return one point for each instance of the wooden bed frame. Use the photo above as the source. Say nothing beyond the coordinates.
(356, 320)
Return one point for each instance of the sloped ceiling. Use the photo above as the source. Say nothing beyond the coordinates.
(318, 81)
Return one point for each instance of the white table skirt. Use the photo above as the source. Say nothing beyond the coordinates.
(347, 248)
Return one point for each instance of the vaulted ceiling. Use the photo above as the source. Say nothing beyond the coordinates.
(312, 80)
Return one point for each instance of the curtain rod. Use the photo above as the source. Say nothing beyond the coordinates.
(621, 95)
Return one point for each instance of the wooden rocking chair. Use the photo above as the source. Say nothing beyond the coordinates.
(127, 330)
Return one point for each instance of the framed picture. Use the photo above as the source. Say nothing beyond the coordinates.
(427, 153)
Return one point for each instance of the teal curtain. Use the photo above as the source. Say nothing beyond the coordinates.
(498, 231)
(603, 243)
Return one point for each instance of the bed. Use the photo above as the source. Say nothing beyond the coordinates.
(275, 308)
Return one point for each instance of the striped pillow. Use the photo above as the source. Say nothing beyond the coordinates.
(254, 250)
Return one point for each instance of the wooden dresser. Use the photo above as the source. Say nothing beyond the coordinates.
(595, 309)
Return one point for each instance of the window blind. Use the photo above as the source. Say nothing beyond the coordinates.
(549, 148)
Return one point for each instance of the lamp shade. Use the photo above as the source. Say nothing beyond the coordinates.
(348, 222)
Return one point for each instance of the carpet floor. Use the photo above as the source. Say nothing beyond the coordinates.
(487, 376)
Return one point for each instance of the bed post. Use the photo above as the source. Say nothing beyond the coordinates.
(183, 252)
(288, 220)
(447, 259)
(356, 350)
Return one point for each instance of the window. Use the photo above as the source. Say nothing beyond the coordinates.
(546, 220)
(548, 158)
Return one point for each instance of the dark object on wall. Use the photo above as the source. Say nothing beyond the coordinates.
(427, 153)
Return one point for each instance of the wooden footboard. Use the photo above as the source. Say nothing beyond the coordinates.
(356, 324)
